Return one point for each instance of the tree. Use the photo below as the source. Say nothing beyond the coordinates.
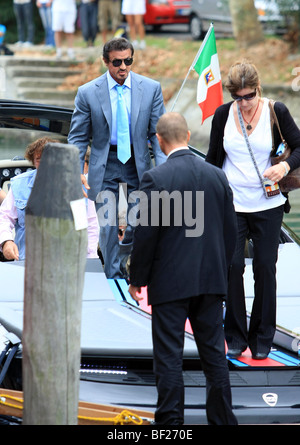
(246, 27)
(290, 9)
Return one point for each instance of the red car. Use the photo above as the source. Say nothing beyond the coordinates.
(162, 12)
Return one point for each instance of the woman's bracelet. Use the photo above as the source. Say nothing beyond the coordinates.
(285, 167)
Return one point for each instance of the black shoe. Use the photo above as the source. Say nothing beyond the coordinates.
(234, 352)
(260, 356)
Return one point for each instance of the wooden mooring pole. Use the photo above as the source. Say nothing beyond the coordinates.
(56, 249)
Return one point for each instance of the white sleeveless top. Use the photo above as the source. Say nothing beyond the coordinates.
(248, 194)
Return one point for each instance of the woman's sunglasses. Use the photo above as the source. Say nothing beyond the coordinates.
(118, 62)
(249, 96)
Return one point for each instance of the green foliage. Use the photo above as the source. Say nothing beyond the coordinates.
(289, 8)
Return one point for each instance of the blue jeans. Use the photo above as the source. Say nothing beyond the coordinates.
(24, 17)
(89, 20)
(46, 17)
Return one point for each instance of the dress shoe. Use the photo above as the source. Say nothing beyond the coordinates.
(260, 356)
(234, 352)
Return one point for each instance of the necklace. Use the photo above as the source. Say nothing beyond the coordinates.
(249, 126)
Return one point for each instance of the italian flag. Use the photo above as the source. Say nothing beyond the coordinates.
(206, 64)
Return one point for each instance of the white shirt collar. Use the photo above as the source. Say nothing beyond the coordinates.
(177, 149)
(112, 83)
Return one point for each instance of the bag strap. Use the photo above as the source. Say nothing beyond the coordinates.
(248, 144)
(271, 106)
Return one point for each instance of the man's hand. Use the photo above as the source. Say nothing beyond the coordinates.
(85, 183)
(10, 250)
(134, 291)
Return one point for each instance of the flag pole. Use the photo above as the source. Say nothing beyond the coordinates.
(193, 64)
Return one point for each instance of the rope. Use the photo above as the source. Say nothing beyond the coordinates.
(3, 398)
(122, 418)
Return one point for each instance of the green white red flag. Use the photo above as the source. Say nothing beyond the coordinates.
(206, 64)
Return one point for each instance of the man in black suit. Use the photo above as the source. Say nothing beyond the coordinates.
(182, 251)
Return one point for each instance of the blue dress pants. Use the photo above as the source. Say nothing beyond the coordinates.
(107, 207)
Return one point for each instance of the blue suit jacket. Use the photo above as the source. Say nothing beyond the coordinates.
(92, 119)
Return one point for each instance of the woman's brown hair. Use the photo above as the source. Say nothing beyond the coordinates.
(243, 75)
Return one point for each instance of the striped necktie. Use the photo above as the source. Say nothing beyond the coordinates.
(123, 136)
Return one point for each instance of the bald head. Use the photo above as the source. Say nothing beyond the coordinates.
(172, 131)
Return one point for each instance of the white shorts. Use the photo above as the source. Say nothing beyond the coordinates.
(62, 21)
(133, 7)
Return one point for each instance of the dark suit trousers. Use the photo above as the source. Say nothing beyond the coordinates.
(264, 229)
(168, 322)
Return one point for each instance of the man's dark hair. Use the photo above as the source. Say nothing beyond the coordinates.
(116, 44)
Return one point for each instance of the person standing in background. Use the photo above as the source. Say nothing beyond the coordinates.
(24, 15)
(88, 12)
(134, 11)
(64, 15)
(45, 11)
(109, 10)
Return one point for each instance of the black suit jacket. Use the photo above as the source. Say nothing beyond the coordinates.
(172, 264)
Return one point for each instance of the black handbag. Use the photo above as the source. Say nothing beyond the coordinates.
(292, 180)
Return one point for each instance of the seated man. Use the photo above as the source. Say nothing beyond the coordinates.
(12, 210)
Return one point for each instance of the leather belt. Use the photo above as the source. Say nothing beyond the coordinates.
(114, 148)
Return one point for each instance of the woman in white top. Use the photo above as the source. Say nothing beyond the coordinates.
(259, 216)
(134, 11)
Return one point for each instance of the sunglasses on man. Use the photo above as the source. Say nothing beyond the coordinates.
(118, 62)
(249, 96)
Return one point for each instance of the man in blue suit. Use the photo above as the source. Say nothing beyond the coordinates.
(95, 122)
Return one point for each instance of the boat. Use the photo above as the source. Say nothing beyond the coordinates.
(116, 368)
